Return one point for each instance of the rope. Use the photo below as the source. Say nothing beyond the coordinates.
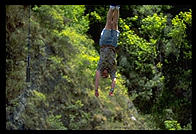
(28, 45)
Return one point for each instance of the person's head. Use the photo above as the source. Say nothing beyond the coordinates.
(104, 73)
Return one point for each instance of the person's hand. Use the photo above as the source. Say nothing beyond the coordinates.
(96, 93)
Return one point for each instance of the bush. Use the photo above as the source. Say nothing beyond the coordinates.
(172, 125)
(54, 122)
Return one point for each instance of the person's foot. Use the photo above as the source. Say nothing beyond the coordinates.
(113, 6)
(117, 7)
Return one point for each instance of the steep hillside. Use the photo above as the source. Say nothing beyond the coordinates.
(63, 64)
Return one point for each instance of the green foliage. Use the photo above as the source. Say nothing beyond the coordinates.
(154, 25)
(154, 68)
(141, 59)
(188, 126)
(148, 10)
(39, 95)
(50, 16)
(172, 125)
(60, 17)
(95, 16)
(55, 123)
(178, 34)
(155, 52)
(15, 51)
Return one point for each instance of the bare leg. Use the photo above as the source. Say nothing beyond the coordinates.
(109, 19)
(115, 19)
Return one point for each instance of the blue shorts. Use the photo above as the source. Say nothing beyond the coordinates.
(109, 37)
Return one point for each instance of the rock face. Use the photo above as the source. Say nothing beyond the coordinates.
(38, 82)
(38, 64)
(15, 117)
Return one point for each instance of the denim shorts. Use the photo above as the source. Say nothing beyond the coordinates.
(109, 37)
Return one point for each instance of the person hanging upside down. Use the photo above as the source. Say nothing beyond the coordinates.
(108, 43)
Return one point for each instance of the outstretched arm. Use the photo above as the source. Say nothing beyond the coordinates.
(112, 87)
(113, 83)
(97, 77)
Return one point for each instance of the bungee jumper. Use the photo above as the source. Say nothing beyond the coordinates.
(108, 43)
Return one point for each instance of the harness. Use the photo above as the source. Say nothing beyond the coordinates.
(109, 46)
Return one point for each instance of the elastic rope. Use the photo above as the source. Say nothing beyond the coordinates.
(28, 47)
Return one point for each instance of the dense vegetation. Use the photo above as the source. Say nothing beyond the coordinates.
(154, 77)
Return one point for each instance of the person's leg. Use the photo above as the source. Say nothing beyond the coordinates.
(109, 19)
(115, 19)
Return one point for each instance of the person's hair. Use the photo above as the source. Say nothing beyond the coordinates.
(104, 75)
